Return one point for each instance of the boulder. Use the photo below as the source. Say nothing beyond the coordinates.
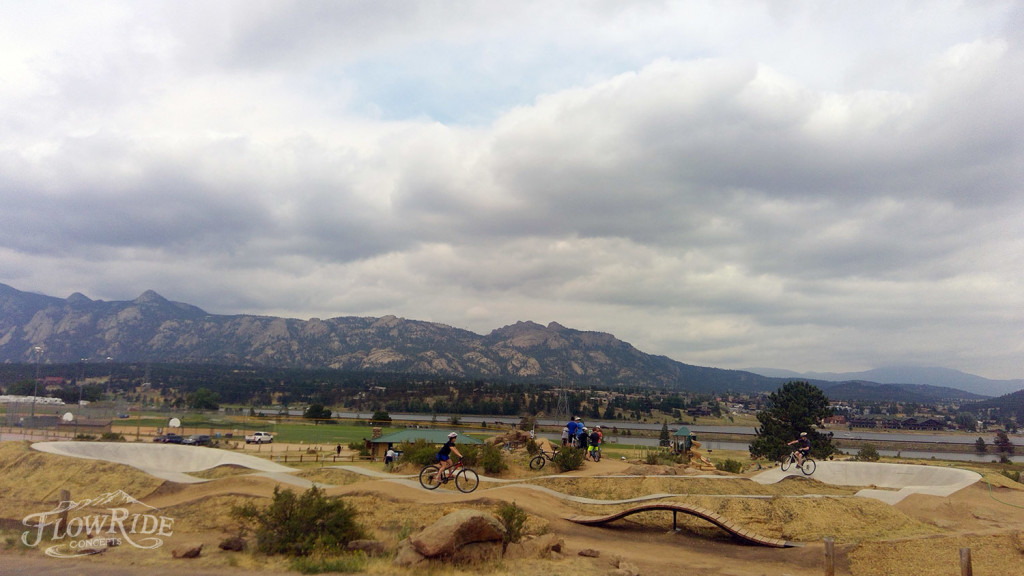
(407, 555)
(232, 544)
(477, 553)
(589, 553)
(535, 547)
(192, 552)
(447, 535)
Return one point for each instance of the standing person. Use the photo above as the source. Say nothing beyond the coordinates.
(803, 450)
(444, 455)
(594, 441)
(565, 436)
(583, 440)
(337, 450)
(389, 456)
(573, 426)
(600, 435)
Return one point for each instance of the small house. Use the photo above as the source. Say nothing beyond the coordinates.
(379, 445)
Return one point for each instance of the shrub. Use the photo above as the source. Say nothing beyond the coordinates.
(1012, 475)
(730, 465)
(419, 452)
(568, 459)
(532, 448)
(300, 525)
(867, 454)
(513, 518)
(491, 459)
(661, 457)
(111, 437)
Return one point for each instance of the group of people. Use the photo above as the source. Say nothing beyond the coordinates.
(576, 434)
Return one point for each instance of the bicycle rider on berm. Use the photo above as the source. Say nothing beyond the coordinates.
(443, 455)
(803, 450)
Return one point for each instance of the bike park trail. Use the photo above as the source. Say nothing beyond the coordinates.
(169, 461)
(896, 480)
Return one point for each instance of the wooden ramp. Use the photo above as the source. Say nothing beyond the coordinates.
(676, 508)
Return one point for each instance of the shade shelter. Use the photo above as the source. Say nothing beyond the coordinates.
(379, 445)
(682, 439)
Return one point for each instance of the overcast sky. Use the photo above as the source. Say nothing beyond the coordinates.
(830, 186)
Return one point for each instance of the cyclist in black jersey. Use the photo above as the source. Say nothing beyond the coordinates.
(444, 454)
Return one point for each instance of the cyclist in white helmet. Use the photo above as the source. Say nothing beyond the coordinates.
(444, 455)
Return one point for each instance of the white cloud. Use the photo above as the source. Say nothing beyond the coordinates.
(816, 187)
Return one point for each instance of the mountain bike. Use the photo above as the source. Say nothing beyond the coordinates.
(807, 467)
(595, 454)
(466, 479)
(538, 461)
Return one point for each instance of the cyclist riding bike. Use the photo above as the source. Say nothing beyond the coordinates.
(803, 450)
(444, 455)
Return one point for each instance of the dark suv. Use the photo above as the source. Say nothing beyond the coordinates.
(197, 440)
(169, 438)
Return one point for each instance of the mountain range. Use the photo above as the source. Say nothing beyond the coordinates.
(38, 328)
(923, 375)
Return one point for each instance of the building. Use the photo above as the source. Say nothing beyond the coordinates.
(379, 445)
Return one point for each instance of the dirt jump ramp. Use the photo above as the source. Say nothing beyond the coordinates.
(676, 508)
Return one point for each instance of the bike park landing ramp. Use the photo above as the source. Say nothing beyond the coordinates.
(900, 480)
(676, 508)
(167, 461)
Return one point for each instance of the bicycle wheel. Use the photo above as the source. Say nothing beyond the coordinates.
(596, 454)
(538, 462)
(428, 477)
(467, 480)
(787, 461)
(808, 467)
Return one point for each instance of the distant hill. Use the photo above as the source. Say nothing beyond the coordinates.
(932, 376)
(154, 329)
(874, 392)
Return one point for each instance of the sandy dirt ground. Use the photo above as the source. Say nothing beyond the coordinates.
(920, 535)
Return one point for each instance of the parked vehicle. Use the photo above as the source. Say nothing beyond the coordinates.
(197, 440)
(259, 438)
(169, 438)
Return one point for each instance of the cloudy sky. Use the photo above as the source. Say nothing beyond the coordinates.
(829, 186)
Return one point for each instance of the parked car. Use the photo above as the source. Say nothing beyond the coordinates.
(169, 438)
(197, 440)
(259, 438)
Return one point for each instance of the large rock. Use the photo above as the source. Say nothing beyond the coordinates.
(447, 535)
(535, 547)
(407, 555)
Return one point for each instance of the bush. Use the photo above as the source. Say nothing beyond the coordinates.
(730, 465)
(513, 518)
(867, 454)
(300, 525)
(419, 452)
(111, 437)
(491, 459)
(568, 459)
(1012, 475)
(532, 448)
(661, 457)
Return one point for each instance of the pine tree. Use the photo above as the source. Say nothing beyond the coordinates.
(794, 408)
(664, 440)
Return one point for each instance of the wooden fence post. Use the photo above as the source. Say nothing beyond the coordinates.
(965, 562)
(65, 496)
(830, 557)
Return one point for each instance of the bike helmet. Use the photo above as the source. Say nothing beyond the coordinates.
(577, 418)
(453, 435)
(597, 427)
(803, 433)
(585, 430)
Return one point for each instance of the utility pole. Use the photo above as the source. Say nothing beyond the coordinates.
(35, 388)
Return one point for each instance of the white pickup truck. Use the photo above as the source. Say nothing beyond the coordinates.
(259, 438)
